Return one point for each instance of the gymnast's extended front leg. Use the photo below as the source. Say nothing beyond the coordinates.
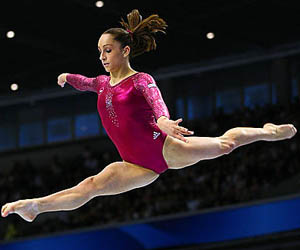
(179, 154)
(116, 178)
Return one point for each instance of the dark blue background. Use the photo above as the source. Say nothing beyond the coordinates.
(228, 224)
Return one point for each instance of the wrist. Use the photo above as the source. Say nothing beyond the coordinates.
(162, 118)
(65, 76)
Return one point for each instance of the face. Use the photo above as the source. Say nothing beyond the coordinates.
(112, 56)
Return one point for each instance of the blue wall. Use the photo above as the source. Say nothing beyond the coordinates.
(229, 224)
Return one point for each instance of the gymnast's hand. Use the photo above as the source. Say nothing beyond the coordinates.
(61, 79)
(172, 128)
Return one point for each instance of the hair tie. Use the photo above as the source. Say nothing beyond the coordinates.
(130, 32)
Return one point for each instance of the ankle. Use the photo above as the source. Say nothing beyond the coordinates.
(36, 206)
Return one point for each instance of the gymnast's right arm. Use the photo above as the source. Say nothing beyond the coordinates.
(79, 82)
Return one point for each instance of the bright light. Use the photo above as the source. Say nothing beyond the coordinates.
(10, 34)
(210, 35)
(99, 4)
(14, 87)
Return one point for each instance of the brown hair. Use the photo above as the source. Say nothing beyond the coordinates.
(138, 33)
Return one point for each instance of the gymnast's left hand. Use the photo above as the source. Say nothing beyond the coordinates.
(172, 128)
(62, 79)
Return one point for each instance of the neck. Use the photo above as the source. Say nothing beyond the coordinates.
(122, 73)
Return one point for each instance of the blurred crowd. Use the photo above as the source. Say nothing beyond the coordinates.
(248, 173)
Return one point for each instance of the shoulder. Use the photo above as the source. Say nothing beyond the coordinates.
(101, 81)
(102, 78)
(145, 77)
(143, 80)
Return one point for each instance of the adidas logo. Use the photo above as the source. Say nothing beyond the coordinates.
(155, 135)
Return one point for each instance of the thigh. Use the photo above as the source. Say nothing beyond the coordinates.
(179, 154)
(119, 177)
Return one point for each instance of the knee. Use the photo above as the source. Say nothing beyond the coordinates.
(87, 187)
(105, 182)
(227, 144)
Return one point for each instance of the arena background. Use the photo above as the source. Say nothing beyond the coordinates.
(51, 138)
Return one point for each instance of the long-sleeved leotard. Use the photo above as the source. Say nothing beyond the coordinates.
(128, 111)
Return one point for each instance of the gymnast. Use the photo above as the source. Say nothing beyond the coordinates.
(137, 120)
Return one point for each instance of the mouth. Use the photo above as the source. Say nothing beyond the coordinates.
(105, 64)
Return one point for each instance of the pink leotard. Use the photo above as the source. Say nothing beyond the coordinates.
(128, 111)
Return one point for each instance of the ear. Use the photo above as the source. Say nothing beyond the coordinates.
(126, 51)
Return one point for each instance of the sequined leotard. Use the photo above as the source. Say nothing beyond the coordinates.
(128, 111)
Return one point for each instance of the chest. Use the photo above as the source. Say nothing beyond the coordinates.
(118, 96)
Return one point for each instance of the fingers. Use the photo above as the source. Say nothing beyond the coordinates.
(180, 129)
(61, 84)
(61, 80)
(180, 137)
(178, 121)
(183, 131)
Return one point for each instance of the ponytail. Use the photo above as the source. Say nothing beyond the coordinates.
(138, 33)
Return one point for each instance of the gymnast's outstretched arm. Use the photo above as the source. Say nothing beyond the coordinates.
(116, 178)
(79, 82)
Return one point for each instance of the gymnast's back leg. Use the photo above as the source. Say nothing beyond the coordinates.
(179, 154)
(116, 178)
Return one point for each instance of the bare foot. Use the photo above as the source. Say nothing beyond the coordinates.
(27, 209)
(280, 132)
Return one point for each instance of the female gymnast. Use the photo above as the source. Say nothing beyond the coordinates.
(137, 120)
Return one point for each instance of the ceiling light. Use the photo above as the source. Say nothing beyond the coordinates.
(210, 35)
(14, 87)
(99, 4)
(10, 34)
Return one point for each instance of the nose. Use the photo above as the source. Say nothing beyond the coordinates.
(102, 58)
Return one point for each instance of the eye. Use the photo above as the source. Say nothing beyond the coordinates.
(106, 50)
